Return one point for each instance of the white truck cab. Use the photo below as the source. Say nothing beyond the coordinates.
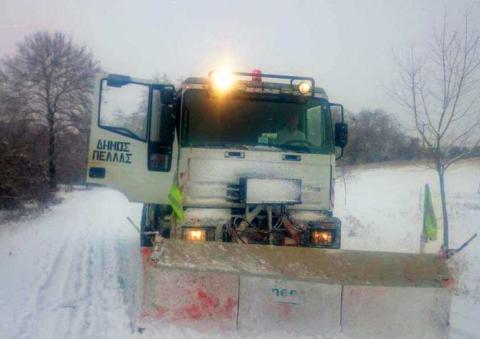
(229, 157)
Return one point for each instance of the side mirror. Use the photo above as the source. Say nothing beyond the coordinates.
(341, 128)
(341, 134)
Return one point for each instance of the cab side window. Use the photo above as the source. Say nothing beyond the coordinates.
(124, 110)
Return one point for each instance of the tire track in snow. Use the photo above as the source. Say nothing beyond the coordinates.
(71, 287)
(81, 282)
(130, 274)
(98, 282)
(79, 322)
(85, 276)
(53, 298)
(112, 308)
(107, 287)
(36, 301)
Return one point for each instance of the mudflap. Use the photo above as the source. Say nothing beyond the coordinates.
(218, 286)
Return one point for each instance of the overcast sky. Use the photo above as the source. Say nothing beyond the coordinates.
(346, 45)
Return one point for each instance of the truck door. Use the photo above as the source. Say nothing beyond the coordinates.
(133, 145)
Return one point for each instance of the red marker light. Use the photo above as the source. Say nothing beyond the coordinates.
(257, 75)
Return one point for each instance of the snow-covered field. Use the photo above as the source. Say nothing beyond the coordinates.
(383, 211)
(74, 271)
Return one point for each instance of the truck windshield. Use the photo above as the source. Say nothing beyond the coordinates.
(231, 122)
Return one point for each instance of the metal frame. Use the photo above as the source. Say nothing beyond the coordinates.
(184, 119)
(113, 129)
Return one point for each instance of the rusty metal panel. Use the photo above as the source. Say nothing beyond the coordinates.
(199, 300)
(395, 312)
(289, 306)
(309, 264)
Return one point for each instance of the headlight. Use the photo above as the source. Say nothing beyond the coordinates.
(304, 88)
(322, 238)
(195, 234)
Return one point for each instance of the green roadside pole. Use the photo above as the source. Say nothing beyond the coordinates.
(430, 227)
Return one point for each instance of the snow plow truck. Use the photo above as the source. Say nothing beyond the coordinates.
(236, 173)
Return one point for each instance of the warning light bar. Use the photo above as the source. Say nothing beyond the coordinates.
(224, 81)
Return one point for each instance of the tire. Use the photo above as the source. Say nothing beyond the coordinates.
(145, 240)
(150, 222)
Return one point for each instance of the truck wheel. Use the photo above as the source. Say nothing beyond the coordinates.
(152, 215)
(144, 239)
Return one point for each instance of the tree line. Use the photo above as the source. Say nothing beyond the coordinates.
(376, 136)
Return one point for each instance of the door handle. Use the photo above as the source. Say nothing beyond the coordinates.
(97, 172)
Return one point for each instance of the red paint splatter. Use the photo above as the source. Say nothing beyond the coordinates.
(206, 300)
(146, 251)
(208, 307)
(146, 255)
(230, 306)
(194, 311)
(160, 312)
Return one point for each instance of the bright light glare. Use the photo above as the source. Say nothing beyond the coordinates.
(322, 237)
(195, 235)
(222, 80)
(304, 87)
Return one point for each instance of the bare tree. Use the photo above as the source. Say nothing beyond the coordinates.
(52, 78)
(22, 178)
(441, 90)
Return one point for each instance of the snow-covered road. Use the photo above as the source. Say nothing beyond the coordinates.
(74, 272)
(68, 273)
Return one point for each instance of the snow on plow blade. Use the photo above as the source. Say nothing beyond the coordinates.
(256, 288)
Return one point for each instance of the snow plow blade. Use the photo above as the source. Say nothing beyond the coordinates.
(257, 288)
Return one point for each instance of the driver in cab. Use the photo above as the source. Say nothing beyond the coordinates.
(290, 131)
